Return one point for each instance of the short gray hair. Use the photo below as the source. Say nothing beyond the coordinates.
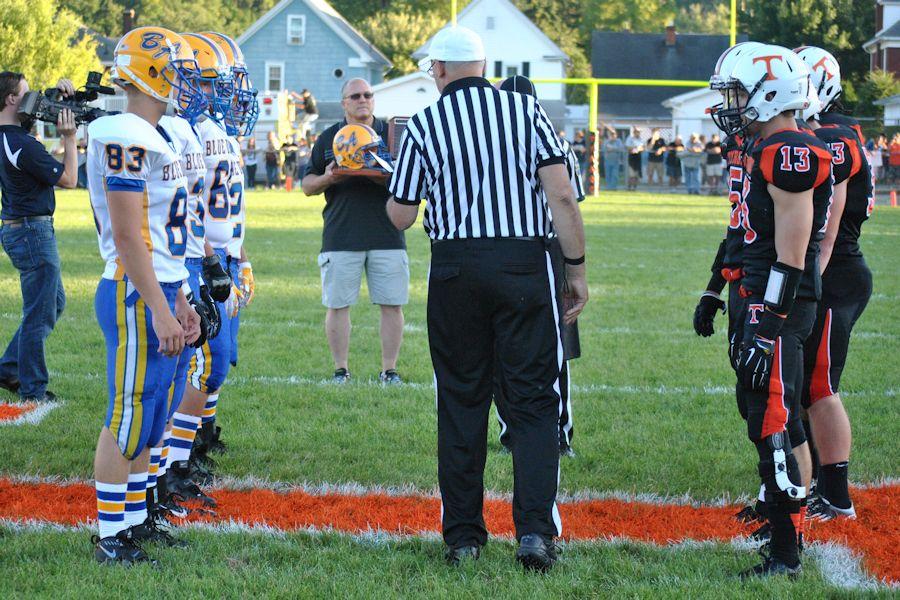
(349, 81)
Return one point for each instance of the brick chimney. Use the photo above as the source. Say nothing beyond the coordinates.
(127, 20)
(670, 35)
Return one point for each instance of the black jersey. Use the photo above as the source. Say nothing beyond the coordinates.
(738, 183)
(836, 118)
(860, 190)
(793, 161)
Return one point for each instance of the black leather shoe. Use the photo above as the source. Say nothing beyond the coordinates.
(47, 397)
(10, 385)
(535, 554)
(455, 556)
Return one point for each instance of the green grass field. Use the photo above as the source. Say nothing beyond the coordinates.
(653, 414)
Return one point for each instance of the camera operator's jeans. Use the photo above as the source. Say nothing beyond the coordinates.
(32, 249)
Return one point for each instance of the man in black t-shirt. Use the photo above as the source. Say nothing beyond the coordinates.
(358, 236)
(27, 176)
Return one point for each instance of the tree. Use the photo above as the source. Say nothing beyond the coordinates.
(876, 86)
(398, 34)
(38, 39)
(632, 15)
(700, 18)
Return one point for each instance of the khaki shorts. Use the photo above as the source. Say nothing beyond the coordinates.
(714, 170)
(387, 277)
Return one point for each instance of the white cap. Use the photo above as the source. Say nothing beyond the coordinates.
(454, 44)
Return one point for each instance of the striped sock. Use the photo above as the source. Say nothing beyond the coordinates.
(164, 457)
(136, 499)
(111, 507)
(184, 429)
(209, 411)
(153, 470)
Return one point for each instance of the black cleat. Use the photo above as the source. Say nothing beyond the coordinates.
(151, 531)
(454, 556)
(820, 509)
(179, 482)
(340, 376)
(10, 385)
(566, 451)
(771, 566)
(200, 468)
(763, 533)
(535, 554)
(390, 377)
(120, 549)
(216, 445)
(748, 515)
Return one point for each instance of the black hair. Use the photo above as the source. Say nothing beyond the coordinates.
(9, 85)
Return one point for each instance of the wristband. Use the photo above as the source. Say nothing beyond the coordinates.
(574, 261)
(781, 288)
(244, 265)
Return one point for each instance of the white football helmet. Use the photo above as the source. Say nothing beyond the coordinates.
(727, 60)
(774, 80)
(825, 74)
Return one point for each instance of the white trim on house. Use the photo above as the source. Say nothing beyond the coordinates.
(302, 37)
(555, 52)
(274, 63)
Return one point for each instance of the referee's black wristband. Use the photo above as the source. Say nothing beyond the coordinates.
(574, 261)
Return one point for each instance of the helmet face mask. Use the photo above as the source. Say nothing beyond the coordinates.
(214, 75)
(187, 98)
(243, 108)
(735, 115)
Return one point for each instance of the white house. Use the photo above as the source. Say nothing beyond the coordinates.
(514, 46)
(404, 96)
(689, 112)
(891, 106)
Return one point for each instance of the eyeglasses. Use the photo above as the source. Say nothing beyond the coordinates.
(358, 95)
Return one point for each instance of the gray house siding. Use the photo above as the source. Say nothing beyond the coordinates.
(311, 65)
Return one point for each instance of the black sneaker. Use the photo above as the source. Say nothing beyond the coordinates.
(749, 515)
(390, 377)
(340, 376)
(179, 482)
(10, 385)
(763, 533)
(821, 509)
(47, 397)
(119, 549)
(535, 554)
(455, 556)
(771, 566)
(153, 531)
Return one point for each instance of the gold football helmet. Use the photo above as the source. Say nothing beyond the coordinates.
(356, 147)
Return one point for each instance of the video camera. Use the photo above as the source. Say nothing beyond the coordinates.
(46, 106)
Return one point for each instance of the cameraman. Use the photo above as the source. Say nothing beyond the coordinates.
(27, 176)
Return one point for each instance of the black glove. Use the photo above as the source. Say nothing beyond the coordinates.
(705, 313)
(204, 321)
(216, 278)
(755, 364)
(212, 312)
(734, 351)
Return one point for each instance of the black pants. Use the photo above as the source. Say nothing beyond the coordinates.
(566, 428)
(486, 298)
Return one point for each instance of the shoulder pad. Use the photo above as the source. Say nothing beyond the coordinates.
(794, 161)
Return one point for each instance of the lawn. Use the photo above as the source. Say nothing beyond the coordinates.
(652, 406)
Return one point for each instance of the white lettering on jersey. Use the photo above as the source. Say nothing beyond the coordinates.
(218, 161)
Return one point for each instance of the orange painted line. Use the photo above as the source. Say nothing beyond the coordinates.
(10, 412)
(874, 535)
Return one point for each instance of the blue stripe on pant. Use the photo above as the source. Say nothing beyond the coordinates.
(138, 375)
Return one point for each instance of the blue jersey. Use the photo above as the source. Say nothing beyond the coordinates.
(27, 175)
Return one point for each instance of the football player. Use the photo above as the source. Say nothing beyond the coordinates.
(210, 363)
(239, 120)
(523, 85)
(138, 193)
(785, 215)
(216, 84)
(846, 289)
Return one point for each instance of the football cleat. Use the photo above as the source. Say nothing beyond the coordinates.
(763, 533)
(152, 531)
(340, 376)
(535, 554)
(565, 450)
(120, 549)
(821, 509)
(771, 566)
(216, 445)
(455, 556)
(749, 515)
(180, 482)
(168, 508)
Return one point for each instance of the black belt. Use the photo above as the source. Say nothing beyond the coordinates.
(513, 238)
(25, 220)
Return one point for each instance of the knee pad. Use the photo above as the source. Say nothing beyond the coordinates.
(778, 469)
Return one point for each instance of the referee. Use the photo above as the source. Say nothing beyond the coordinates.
(480, 158)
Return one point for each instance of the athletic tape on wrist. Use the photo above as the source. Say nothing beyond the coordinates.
(781, 289)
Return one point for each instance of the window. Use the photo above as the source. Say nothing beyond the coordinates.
(526, 69)
(512, 71)
(338, 73)
(498, 69)
(490, 23)
(274, 76)
(296, 30)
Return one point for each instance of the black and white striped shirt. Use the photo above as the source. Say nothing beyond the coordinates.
(574, 170)
(474, 155)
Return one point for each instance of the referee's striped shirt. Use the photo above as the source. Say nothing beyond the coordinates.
(473, 156)
(575, 180)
